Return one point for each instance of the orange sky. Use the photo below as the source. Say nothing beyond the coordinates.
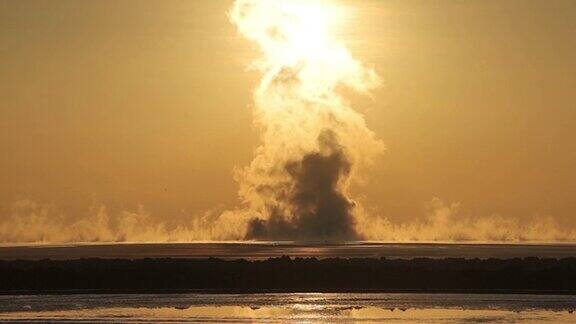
(128, 103)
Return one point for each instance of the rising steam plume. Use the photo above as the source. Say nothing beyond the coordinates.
(313, 143)
(313, 146)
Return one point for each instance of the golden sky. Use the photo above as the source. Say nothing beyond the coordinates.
(147, 102)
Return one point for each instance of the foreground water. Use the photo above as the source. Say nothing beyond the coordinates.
(294, 307)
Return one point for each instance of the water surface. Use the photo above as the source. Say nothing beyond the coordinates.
(263, 250)
(286, 308)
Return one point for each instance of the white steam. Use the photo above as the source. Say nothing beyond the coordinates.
(313, 143)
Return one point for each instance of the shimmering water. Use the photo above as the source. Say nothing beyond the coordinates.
(286, 308)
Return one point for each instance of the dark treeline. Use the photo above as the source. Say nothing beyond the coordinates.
(285, 274)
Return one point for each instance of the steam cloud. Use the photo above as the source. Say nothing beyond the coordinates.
(313, 143)
(27, 221)
(313, 147)
(314, 195)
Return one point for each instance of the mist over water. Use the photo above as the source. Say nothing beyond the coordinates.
(320, 209)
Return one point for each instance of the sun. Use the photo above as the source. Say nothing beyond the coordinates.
(290, 32)
(301, 37)
(308, 29)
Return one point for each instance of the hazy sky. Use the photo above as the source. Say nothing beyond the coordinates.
(147, 102)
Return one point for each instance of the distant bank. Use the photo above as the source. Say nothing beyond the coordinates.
(264, 250)
(284, 274)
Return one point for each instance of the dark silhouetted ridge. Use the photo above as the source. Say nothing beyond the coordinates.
(286, 274)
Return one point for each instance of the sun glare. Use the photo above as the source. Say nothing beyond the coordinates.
(308, 29)
(292, 31)
(302, 37)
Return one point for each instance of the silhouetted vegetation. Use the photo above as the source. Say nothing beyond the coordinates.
(285, 274)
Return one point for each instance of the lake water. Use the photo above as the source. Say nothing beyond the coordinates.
(290, 307)
(263, 250)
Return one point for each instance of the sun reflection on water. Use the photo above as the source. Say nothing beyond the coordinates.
(289, 308)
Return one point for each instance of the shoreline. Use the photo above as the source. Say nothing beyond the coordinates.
(288, 291)
(264, 250)
(284, 274)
